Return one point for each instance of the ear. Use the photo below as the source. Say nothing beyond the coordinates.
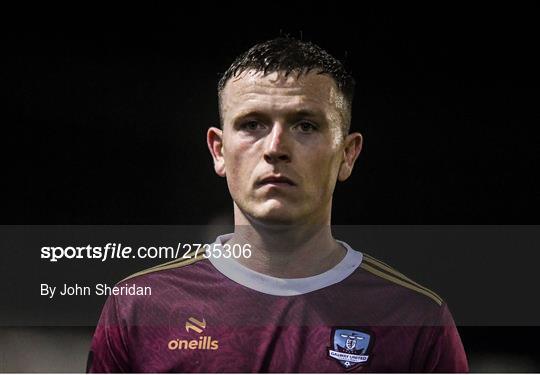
(352, 148)
(214, 139)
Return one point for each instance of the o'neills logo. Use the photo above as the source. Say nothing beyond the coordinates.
(203, 343)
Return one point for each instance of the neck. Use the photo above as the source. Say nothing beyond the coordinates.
(287, 251)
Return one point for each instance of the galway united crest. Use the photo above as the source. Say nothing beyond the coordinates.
(350, 346)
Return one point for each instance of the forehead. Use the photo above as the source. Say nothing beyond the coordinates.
(277, 91)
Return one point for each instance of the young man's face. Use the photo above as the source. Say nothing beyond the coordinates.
(283, 146)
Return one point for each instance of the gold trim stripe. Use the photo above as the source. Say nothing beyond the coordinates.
(401, 282)
(385, 267)
(167, 266)
(177, 260)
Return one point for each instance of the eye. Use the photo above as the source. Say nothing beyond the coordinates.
(251, 126)
(306, 127)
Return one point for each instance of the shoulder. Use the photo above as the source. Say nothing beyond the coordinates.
(399, 284)
(152, 294)
(194, 273)
(169, 268)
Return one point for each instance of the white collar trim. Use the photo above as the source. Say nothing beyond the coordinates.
(285, 287)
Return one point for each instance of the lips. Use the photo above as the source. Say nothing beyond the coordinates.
(277, 180)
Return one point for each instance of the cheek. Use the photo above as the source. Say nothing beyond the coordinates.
(238, 165)
(323, 174)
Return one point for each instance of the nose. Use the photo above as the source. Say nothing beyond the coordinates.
(277, 148)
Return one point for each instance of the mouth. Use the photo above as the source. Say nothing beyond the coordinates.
(276, 180)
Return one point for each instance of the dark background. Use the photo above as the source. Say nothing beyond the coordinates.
(106, 111)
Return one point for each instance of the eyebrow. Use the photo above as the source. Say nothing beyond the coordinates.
(293, 114)
(308, 113)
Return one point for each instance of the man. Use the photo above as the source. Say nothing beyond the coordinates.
(297, 300)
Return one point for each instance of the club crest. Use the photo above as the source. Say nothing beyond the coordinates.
(350, 346)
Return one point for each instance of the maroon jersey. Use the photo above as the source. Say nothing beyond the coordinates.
(215, 315)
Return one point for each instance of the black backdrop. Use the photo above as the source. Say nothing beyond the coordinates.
(106, 111)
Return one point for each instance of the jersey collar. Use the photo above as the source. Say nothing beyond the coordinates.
(260, 282)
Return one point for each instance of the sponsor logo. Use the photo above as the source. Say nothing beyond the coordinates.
(201, 343)
(195, 325)
(350, 347)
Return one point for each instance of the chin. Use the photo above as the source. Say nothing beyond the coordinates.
(276, 220)
(277, 214)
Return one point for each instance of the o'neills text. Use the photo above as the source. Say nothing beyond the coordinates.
(204, 343)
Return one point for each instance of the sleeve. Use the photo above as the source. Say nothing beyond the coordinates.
(109, 352)
(439, 347)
